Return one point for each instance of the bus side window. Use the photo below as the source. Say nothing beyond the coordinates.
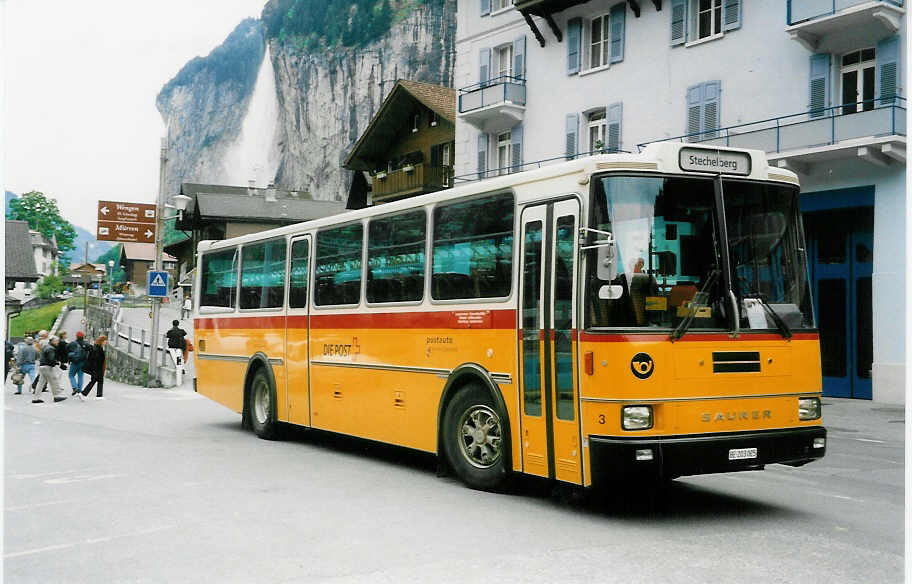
(337, 266)
(473, 249)
(263, 275)
(219, 279)
(395, 257)
(297, 293)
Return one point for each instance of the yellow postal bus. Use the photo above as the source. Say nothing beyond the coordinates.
(615, 316)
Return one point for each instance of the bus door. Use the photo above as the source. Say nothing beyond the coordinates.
(550, 429)
(297, 333)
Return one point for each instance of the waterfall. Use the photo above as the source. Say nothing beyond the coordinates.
(255, 154)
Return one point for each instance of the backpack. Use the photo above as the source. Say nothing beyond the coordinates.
(76, 351)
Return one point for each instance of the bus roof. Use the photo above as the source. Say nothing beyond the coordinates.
(660, 157)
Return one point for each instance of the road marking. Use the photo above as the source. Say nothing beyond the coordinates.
(869, 440)
(45, 474)
(81, 479)
(62, 546)
(33, 505)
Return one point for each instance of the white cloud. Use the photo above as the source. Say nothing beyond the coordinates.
(79, 118)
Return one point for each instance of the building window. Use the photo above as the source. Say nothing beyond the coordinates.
(503, 62)
(504, 153)
(599, 39)
(597, 131)
(500, 5)
(857, 77)
(708, 18)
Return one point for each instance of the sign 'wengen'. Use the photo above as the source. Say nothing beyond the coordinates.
(127, 222)
(126, 212)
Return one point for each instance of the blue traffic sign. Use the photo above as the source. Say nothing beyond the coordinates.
(158, 283)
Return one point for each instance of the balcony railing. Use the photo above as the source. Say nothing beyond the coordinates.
(802, 10)
(819, 127)
(503, 89)
(412, 179)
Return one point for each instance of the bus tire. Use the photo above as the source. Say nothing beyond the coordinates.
(261, 406)
(475, 439)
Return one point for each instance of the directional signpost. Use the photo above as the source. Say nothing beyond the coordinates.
(158, 283)
(129, 222)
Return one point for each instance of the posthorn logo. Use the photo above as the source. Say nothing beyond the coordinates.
(642, 365)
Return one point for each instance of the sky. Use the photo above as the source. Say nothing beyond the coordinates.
(78, 97)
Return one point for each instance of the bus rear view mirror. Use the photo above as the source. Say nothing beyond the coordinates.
(611, 292)
(606, 267)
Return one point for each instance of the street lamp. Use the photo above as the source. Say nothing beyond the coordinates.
(111, 275)
(180, 203)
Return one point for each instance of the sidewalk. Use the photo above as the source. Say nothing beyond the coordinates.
(864, 420)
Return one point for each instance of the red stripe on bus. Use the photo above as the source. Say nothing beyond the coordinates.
(449, 319)
(691, 337)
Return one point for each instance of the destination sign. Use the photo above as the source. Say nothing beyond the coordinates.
(715, 161)
(126, 232)
(126, 212)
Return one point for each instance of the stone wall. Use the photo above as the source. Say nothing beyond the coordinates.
(126, 368)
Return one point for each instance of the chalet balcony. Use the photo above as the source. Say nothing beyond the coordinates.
(877, 134)
(413, 179)
(495, 105)
(834, 26)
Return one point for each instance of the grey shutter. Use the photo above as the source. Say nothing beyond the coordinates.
(694, 112)
(613, 129)
(484, 65)
(617, 32)
(886, 74)
(516, 139)
(678, 22)
(482, 155)
(732, 18)
(711, 91)
(819, 85)
(572, 127)
(485, 7)
(519, 57)
(574, 36)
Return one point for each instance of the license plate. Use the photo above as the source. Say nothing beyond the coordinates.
(742, 453)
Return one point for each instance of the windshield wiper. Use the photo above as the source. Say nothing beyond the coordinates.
(699, 301)
(784, 329)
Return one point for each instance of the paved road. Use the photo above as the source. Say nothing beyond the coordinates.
(165, 486)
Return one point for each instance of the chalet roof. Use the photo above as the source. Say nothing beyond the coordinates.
(144, 252)
(252, 205)
(20, 259)
(96, 267)
(393, 116)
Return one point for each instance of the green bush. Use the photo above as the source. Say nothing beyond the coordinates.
(313, 23)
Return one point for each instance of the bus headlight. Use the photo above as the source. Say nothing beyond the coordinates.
(636, 417)
(808, 408)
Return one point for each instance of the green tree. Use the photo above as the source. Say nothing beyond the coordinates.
(49, 285)
(43, 216)
(113, 254)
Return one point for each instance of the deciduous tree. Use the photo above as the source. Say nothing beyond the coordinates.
(43, 216)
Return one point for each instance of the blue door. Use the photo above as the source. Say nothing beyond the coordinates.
(841, 252)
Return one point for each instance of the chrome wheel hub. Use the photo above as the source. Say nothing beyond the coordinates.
(261, 403)
(481, 436)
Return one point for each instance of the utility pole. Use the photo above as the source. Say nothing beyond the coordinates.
(85, 288)
(159, 243)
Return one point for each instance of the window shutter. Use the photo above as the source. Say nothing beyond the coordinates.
(572, 127)
(678, 22)
(574, 30)
(516, 140)
(613, 129)
(732, 18)
(484, 65)
(819, 85)
(435, 155)
(886, 74)
(694, 112)
(617, 32)
(711, 90)
(485, 7)
(482, 155)
(519, 57)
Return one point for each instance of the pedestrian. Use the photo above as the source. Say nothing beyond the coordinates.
(95, 366)
(77, 351)
(8, 360)
(188, 308)
(46, 366)
(26, 355)
(40, 342)
(62, 357)
(176, 344)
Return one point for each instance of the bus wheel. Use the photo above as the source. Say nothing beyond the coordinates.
(474, 439)
(262, 407)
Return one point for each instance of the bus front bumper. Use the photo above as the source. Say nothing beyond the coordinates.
(617, 460)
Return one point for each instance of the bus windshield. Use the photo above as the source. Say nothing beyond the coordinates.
(668, 258)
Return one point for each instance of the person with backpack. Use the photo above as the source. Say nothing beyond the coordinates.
(26, 355)
(77, 352)
(177, 343)
(95, 367)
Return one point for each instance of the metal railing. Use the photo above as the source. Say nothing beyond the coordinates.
(505, 88)
(411, 177)
(504, 170)
(123, 334)
(804, 10)
(817, 127)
